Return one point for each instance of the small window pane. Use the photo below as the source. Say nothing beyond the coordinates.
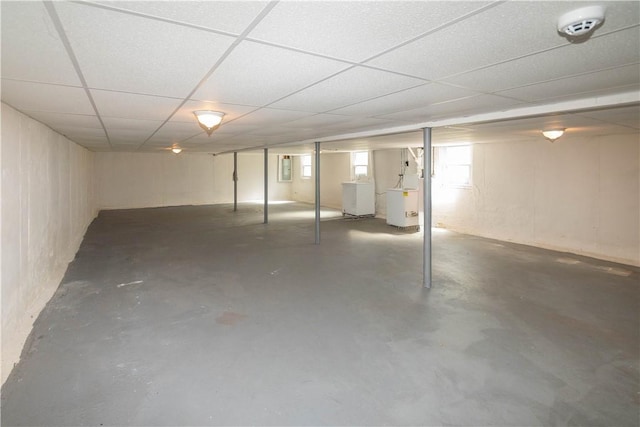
(361, 170)
(459, 155)
(361, 158)
(459, 174)
(306, 171)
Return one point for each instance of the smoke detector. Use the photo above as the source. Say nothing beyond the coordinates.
(581, 21)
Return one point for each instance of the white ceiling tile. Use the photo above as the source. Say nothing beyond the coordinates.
(257, 74)
(215, 141)
(28, 96)
(355, 85)
(354, 30)
(230, 16)
(592, 55)
(277, 131)
(57, 120)
(627, 78)
(117, 51)
(365, 123)
(142, 127)
(318, 121)
(457, 108)
(133, 106)
(31, 48)
(408, 99)
(270, 116)
(80, 134)
(175, 132)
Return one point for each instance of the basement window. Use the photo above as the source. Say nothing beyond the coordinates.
(454, 165)
(360, 162)
(305, 162)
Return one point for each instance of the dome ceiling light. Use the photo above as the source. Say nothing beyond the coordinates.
(208, 120)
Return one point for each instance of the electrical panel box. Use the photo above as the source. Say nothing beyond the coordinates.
(358, 198)
(403, 208)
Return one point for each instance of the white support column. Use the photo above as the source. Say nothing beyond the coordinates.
(317, 144)
(266, 185)
(426, 272)
(235, 181)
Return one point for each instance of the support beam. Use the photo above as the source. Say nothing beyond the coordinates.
(235, 181)
(266, 185)
(426, 253)
(317, 144)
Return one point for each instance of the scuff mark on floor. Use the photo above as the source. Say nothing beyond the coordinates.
(130, 283)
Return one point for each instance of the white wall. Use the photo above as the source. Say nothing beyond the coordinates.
(47, 204)
(576, 195)
(139, 180)
(335, 168)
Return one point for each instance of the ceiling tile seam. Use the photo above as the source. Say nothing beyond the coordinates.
(397, 73)
(41, 83)
(571, 76)
(264, 12)
(159, 96)
(561, 46)
(577, 94)
(297, 50)
(57, 23)
(295, 92)
(436, 29)
(134, 93)
(373, 98)
(190, 137)
(154, 18)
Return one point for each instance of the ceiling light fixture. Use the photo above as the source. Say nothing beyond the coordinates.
(553, 134)
(209, 120)
(176, 150)
(581, 21)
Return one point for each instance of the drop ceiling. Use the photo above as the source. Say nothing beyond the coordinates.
(127, 75)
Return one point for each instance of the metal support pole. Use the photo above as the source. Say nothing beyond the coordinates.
(426, 253)
(266, 185)
(235, 181)
(317, 193)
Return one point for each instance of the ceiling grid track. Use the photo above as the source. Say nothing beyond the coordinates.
(72, 57)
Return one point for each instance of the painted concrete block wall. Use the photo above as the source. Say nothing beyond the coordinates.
(47, 205)
(140, 180)
(335, 168)
(580, 195)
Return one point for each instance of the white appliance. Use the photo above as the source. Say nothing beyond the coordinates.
(358, 198)
(403, 209)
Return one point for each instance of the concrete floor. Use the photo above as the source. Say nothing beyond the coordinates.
(199, 316)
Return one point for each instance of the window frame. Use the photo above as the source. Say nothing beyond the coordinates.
(303, 165)
(443, 166)
(356, 164)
